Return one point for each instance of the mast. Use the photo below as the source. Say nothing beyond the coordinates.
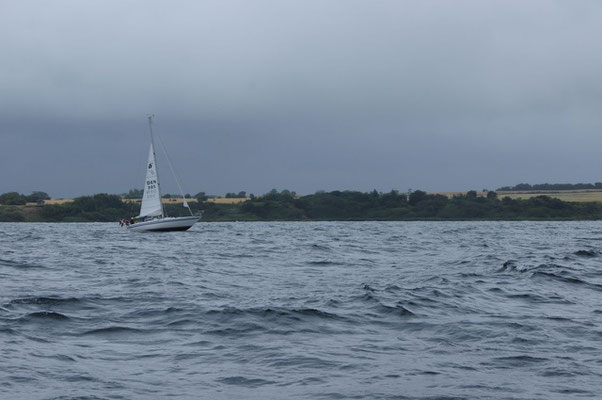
(150, 128)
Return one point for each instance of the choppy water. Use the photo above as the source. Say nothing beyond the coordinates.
(441, 310)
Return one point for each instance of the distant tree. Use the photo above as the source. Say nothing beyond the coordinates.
(134, 194)
(522, 186)
(200, 196)
(167, 196)
(417, 196)
(187, 196)
(239, 195)
(491, 195)
(393, 199)
(552, 186)
(97, 202)
(471, 194)
(12, 199)
(35, 197)
(252, 196)
(289, 193)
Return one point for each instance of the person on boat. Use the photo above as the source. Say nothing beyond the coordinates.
(121, 222)
(131, 220)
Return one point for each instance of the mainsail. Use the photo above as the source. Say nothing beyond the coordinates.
(151, 200)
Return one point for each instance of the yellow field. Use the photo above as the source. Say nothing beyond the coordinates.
(54, 201)
(178, 200)
(223, 200)
(452, 194)
(564, 195)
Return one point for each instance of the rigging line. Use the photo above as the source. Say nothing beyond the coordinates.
(139, 175)
(150, 128)
(173, 172)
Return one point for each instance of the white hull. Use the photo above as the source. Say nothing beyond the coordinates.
(164, 224)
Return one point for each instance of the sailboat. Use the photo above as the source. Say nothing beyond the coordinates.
(152, 214)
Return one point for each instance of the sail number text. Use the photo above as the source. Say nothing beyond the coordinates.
(152, 184)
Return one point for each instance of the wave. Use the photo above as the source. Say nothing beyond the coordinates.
(392, 288)
(527, 296)
(368, 288)
(52, 301)
(324, 262)
(44, 315)
(59, 357)
(275, 313)
(303, 361)
(397, 309)
(246, 382)
(519, 361)
(382, 308)
(8, 331)
(566, 279)
(155, 312)
(193, 307)
(238, 330)
(18, 264)
(586, 253)
(67, 397)
(111, 330)
(512, 265)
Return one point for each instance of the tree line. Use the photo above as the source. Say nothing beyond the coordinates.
(334, 205)
(17, 199)
(419, 205)
(551, 186)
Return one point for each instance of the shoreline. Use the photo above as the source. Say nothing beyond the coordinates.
(326, 206)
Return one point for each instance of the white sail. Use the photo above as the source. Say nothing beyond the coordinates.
(151, 200)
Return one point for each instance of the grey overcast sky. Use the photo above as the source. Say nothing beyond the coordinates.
(304, 95)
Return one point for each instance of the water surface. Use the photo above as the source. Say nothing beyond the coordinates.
(416, 310)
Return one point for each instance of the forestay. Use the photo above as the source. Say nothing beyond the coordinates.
(151, 200)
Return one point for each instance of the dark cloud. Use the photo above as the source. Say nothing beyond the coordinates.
(304, 95)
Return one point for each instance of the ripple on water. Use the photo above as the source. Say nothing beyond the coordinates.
(438, 310)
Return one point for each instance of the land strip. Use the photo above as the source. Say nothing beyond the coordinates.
(327, 206)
